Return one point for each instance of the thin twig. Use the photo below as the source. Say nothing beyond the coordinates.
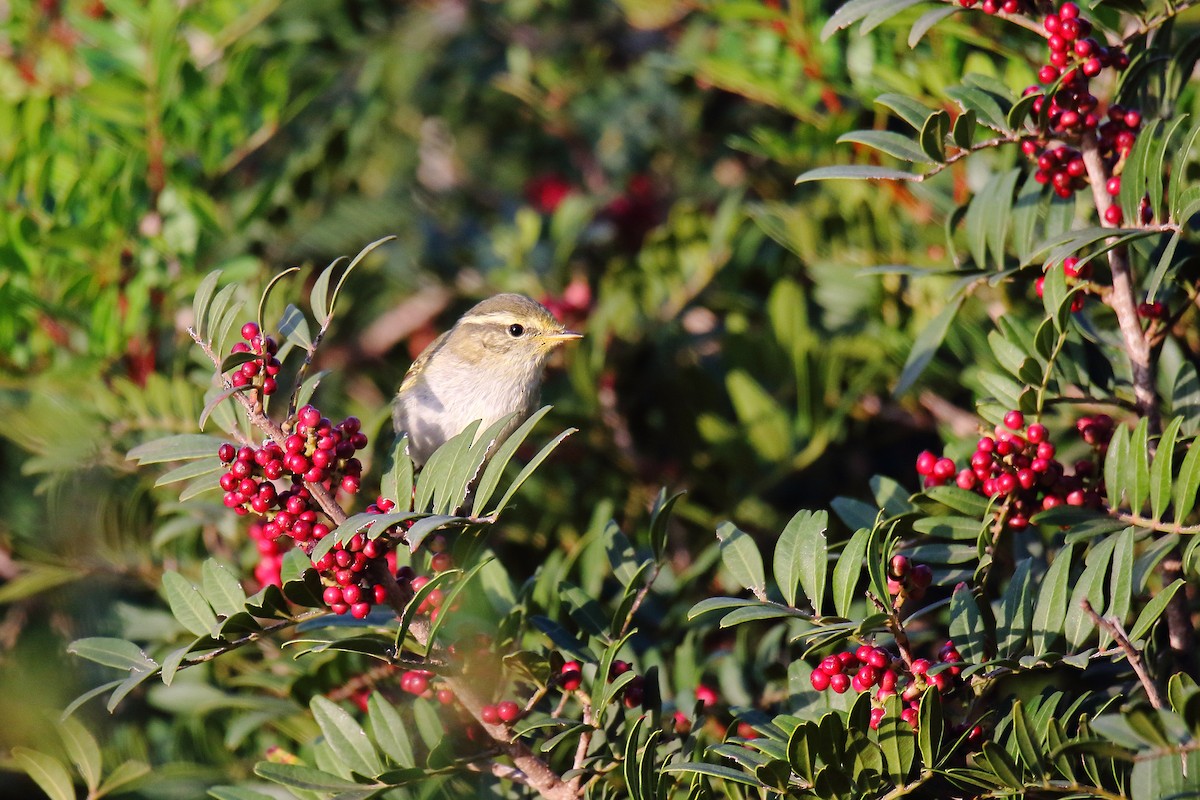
(1113, 628)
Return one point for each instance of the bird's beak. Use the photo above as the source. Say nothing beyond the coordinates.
(564, 336)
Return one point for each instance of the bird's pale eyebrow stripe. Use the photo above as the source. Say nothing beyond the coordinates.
(492, 318)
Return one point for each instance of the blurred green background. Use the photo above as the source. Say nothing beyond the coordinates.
(630, 164)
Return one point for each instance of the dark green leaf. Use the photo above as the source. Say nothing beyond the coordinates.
(908, 109)
(926, 345)
(888, 142)
(188, 605)
(856, 172)
(347, 739)
(966, 625)
(1051, 608)
(1161, 470)
(933, 135)
(47, 772)
(847, 571)
(301, 777)
(741, 557)
(801, 556)
(926, 21)
(1154, 610)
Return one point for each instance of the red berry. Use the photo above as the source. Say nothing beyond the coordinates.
(618, 668)
(922, 575)
(490, 715)
(839, 682)
(706, 695)
(441, 562)
(1051, 23)
(925, 463)
(571, 676)
(360, 610)
(1068, 11)
(1036, 433)
(831, 665)
(1014, 420)
(1113, 215)
(819, 680)
(899, 566)
(508, 711)
(249, 330)
(920, 666)
(880, 658)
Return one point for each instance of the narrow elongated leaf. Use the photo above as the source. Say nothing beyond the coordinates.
(1175, 190)
(1120, 582)
(926, 345)
(497, 463)
(1016, 608)
(1137, 472)
(182, 447)
(741, 557)
(800, 557)
(926, 21)
(1116, 465)
(931, 725)
(1161, 470)
(1165, 262)
(188, 605)
(83, 750)
(1153, 610)
(966, 625)
(348, 740)
(126, 773)
(47, 772)
(111, 652)
(847, 571)
(1078, 625)
(908, 109)
(294, 327)
(972, 98)
(1187, 482)
(200, 303)
(189, 471)
(856, 172)
(1051, 607)
(266, 294)
(933, 135)
(660, 514)
(301, 777)
(529, 468)
(222, 589)
(888, 142)
(896, 740)
(1029, 747)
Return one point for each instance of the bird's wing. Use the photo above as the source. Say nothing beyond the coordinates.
(418, 366)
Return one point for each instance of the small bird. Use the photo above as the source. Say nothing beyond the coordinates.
(487, 366)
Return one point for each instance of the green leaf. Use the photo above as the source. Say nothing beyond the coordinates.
(1116, 466)
(112, 653)
(1175, 190)
(1161, 470)
(302, 777)
(47, 772)
(1013, 615)
(712, 771)
(182, 447)
(893, 144)
(266, 294)
(348, 740)
(495, 468)
(83, 749)
(856, 172)
(847, 571)
(188, 605)
(984, 104)
(293, 325)
(1154, 610)
(1051, 608)
(1029, 748)
(529, 468)
(741, 557)
(1078, 625)
(222, 589)
(926, 345)
(1002, 765)
(933, 135)
(660, 513)
(896, 740)
(908, 109)
(1137, 478)
(200, 303)
(126, 773)
(801, 556)
(237, 793)
(926, 22)
(963, 131)
(966, 625)
(767, 426)
(1187, 482)
(1120, 583)
(930, 728)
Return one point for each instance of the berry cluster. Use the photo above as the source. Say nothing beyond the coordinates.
(999, 6)
(868, 668)
(270, 554)
(1017, 465)
(261, 371)
(1075, 273)
(1075, 57)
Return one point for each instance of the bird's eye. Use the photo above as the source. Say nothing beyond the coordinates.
(516, 329)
